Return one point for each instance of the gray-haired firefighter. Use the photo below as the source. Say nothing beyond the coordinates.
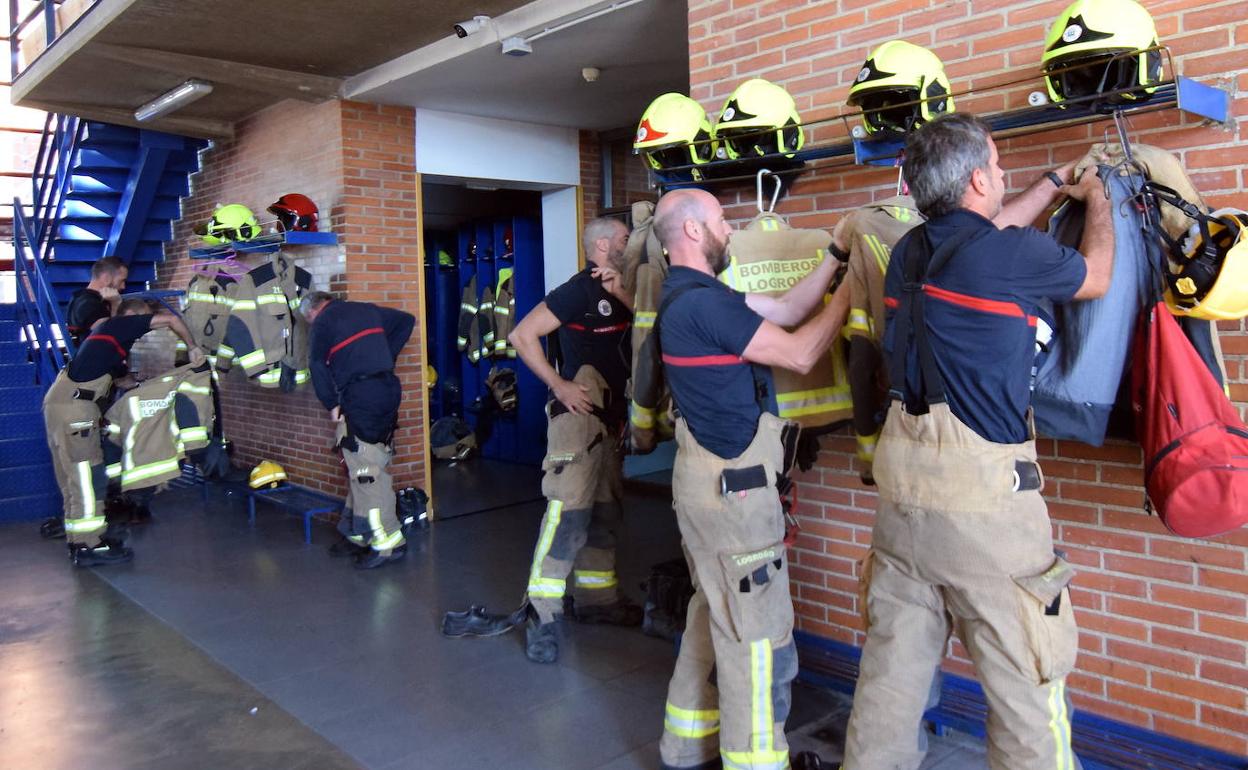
(962, 536)
(71, 414)
(352, 352)
(729, 696)
(592, 315)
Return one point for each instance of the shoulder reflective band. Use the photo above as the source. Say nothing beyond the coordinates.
(358, 335)
(109, 339)
(600, 329)
(702, 360)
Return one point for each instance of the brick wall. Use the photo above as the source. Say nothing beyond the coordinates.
(1164, 620)
(591, 175)
(356, 162)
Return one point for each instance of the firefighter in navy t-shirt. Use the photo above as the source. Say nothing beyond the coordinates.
(97, 300)
(729, 695)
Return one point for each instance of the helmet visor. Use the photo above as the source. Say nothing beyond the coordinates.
(891, 109)
(672, 156)
(1077, 79)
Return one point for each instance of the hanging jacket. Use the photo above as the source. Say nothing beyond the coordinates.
(264, 330)
(504, 313)
(207, 311)
(467, 316)
(650, 405)
(871, 232)
(769, 257)
(484, 347)
(156, 424)
(295, 282)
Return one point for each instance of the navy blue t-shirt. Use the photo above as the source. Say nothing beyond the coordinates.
(980, 310)
(703, 334)
(595, 329)
(105, 349)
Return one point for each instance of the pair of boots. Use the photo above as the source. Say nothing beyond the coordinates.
(112, 549)
(804, 760)
(365, 557)
(541, 642)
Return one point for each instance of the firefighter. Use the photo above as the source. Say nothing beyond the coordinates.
(962, 537)
(729, 696)
(98, 301)
(592, 314)
(71, 413)
(353, 349)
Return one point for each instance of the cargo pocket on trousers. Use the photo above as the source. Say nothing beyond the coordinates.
(82, 433)
(756, 591)
(1049, 621)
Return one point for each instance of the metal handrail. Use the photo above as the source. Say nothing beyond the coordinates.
(46, 8)
(51, 346)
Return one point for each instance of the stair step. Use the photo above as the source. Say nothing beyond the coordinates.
(98, 229)
(16, 375)
(29, 425)
(24, 480)
(16, 400)
(8, 312)
(107, 157)
(23, 451)
(115, 180)
(9, 331)
(79, 273)
(94, 134)
(31, 507)
(106, 203)
(13, 352)
(78, 251)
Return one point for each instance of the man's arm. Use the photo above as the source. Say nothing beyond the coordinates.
(1097, 243)
(1022, 209)
(613, 282)
(398, 326)
(164, 320)
(799, 350)
(526, 339)
(795, 304)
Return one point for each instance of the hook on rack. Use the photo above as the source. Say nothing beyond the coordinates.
(758, 190)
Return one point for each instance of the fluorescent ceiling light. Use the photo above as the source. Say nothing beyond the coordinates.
(173, 100)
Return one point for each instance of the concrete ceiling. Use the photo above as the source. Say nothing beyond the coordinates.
(640, 51)
(124, 53)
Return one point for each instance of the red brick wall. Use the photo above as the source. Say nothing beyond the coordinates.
(1164, 620)
(591, 175)
(356, 162)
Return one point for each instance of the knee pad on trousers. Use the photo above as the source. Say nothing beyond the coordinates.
(570, 535)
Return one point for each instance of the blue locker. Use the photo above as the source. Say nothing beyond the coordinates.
(483, 237)
(470, 386)
(443, 304)
(530, 285)
(504, 264)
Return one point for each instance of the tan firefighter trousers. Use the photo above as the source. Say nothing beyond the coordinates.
(72, 420)
(956, 548)
(729, 696)
(583, 486)
(368, 517)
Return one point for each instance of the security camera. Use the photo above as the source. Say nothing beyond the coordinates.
(466, 28)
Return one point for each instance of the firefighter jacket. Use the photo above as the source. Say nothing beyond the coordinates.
(207, 312)
(870, 233)
(157, 424)
(467, 316)
(649, 418)
(265, 334)
(483, 342)
(769, 257)
(504, 313)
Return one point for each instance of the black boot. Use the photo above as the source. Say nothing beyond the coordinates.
(99, 556)
(52, 528)
(345, 547)
(373, 559)
(807, 760)
(541, 644)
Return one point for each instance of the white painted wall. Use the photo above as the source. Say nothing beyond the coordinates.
(560, 234)
(450, 144)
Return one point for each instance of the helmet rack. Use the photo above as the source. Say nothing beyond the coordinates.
(1211, 103)
(265, 244)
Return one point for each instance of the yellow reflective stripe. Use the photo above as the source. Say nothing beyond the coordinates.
(859, 320)
(179, 346)
(538, 585)
(769, 225)
(112, 470)
(866, 447)
(878, 250)
(501, 310)
(271, 299)
(729, 276)
(691, 723)
(760, 682)
(85, 525)
(142, 472)
(88, 491)
(302, 376)
(194, 433)
(244, 304)
(467, 308)
(251, 359)
(225, 351)
(357, 539)
(644, 319)
(806, 402)
(1059, 725)
(755, 760)
(186, 387)
(595, 580)
(294, 303)
(269, 376)
(382, 541)
(641, 416)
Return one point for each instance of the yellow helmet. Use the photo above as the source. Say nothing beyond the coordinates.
(232, 222)
(674, 131)
(266, 474)
(1088, 51)
(900, 86)
(1210, 281)
(759, 118)
(431, 376)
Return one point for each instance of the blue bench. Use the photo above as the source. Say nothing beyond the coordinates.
(299, 499)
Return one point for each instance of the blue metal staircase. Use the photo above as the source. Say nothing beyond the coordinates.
(98, 190)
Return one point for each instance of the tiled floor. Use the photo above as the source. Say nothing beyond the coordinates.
(159, 663)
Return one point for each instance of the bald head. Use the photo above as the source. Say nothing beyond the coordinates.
(691, 227)
(604, 240)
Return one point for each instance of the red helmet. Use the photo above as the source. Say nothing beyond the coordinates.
(295, 211)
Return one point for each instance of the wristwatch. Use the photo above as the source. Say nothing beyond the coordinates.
(1055, 179)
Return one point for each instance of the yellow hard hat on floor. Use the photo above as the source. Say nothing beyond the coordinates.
(266, 474)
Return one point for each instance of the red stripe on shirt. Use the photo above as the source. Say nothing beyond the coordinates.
(374, 330)
(994, 306)
(109, 339)
(599, 329)
(702, 360)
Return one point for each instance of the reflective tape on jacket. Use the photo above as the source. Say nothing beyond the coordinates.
(595, 579)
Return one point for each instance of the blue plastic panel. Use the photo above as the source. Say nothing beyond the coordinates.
(1203, 100)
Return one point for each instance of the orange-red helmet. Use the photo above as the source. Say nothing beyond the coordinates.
(295, 211)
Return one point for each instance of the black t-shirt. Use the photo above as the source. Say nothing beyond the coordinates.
(105, 349)
(86, 307)
(595, 329)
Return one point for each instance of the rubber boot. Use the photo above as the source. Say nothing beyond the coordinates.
(541, 644)
(345, 547)
(99, 556)
(371, 559)
(52, 528)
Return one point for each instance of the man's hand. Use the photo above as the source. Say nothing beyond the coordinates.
(1087, 187)
(110, 294)
(574, 396)
(197, 356)
(335, 414)
(610, 277)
